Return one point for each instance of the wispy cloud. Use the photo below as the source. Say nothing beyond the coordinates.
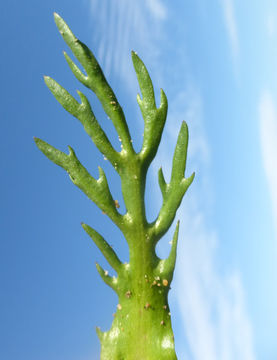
(212, 306)
(231, 26)
(157, 8)
(126, 25)
(271, 24)
(268, 130)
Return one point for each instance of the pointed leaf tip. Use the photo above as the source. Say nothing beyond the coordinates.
(36, 140)
(84, 226)
(71, 150)
(56, 16)
(48, 81)
(61, 24)
(99, 333)
(192, 176)
(135, 58)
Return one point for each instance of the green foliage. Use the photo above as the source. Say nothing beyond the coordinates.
(142, 326)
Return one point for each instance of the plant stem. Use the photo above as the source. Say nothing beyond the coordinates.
(141, 329)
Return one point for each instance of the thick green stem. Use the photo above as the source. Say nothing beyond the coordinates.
(142, 325)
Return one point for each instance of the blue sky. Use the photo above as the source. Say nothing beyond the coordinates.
(216, 61)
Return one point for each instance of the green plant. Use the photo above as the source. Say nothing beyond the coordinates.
(141, 328)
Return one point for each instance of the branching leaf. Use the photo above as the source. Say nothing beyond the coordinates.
(154, 118)
(96, 81)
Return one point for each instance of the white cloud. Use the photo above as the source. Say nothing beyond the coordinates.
(271, 24)
(116, 20)
(212, 306)
(157, 8)
(231, 26)
(268, 130)
(186, 105)
(125, 24)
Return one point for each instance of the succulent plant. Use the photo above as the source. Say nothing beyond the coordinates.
(141, 328)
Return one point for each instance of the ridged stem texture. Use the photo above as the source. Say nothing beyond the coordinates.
(141, 329)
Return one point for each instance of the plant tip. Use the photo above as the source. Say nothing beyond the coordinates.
(36, 140)
(46, 80)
